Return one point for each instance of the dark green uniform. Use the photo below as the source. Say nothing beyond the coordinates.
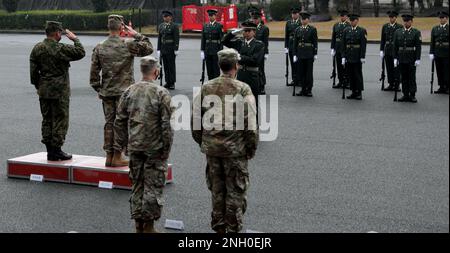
(354, 43)
(262, 34)
(387, 46)
(407, 50)
(252, 54)
(305, 41)
(439, 48)
(291, 26)
(211, 44)
(49, 71)
(336, 44)
(168, 41)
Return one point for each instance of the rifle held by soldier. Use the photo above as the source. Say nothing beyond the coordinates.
(333, 73)
(383, 74)
(202, 79)
(432, 76)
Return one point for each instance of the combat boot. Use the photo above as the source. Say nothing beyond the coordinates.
(352, 96)
(337, 86)
(109, 157)
(139, 224)
(49, 152)
(389, 88)
(118, 160)
(358, 95)
(412, 98)
(59, 155)
(404, 98)
(148, 227)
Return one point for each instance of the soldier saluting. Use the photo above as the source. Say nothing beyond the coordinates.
(262, 34)
(49, 73)
(289, 30)
(252, 54)
(439, 52)
(305, 52)
(407, 50)
(336, 46)
(168, 42)
(387, 49)
(211, 44)
(354, 55)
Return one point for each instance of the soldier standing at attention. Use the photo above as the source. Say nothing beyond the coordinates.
(211, 44)
(305, 52)
(262, 34)
(227, 151)
(407, 50)
(291, 26)
(168, 42)
(143, 121)
(439, 52)
(112, 73)
(354, 55)
(252, 54)
(49, 73)
(387, 49)
(336, 47)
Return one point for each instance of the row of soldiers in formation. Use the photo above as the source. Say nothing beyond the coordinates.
(400, 50)
(137, 120)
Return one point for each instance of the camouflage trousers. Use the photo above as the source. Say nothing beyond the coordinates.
(228, 181)
(109, 110)
(148, 177)
(55, 120)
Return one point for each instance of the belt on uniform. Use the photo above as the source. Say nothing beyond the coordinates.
(442, 44)
(353, 46)
(388, 42)
(338, 40)
(246, 68)
(407, 49)
(305, 44)
(213, 41)
(167, 41)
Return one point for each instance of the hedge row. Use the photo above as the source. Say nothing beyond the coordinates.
(74, 20)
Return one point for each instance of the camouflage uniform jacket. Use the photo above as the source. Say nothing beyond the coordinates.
(221, 142)
(49, 67)
(143, 119)
(114, 58)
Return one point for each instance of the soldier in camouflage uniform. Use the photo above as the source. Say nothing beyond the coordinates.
(439, 52)
(168, 42)
(49, 73)
(143, 121)
(289, 31)
(407, 51)
(262, 34)
(305, 52)
(227, 151)
(111, 73)
(337, 49)
(211, 44)
(354, 55)
(387, 49)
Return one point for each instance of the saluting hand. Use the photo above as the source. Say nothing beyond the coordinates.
(70, 35)
(130, 30)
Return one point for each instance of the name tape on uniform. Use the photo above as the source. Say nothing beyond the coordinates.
(249, 231)
(36, 178)
(174, 224)
(105, 185)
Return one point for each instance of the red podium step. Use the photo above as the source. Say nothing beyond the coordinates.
(85, 170)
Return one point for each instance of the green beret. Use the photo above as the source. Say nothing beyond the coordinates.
(229, 54)
(53, 26)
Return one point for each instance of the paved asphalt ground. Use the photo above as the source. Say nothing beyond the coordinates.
(336, 166)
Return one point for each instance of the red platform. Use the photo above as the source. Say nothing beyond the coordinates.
(85, 170)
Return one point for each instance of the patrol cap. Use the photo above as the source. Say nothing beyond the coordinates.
(407, 17)
(353, 16)
(229, 54)
(115, 20)
(392, 13)
(295, 10)
(305, 15)
(256, 14)
(167, 13)
(211, 12)
(148, 61)
(343, 12)
(443, 14)
(53, 26)
(248, 25)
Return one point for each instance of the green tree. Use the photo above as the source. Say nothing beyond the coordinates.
(10, 5)
(280, 9)
(100, 5)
